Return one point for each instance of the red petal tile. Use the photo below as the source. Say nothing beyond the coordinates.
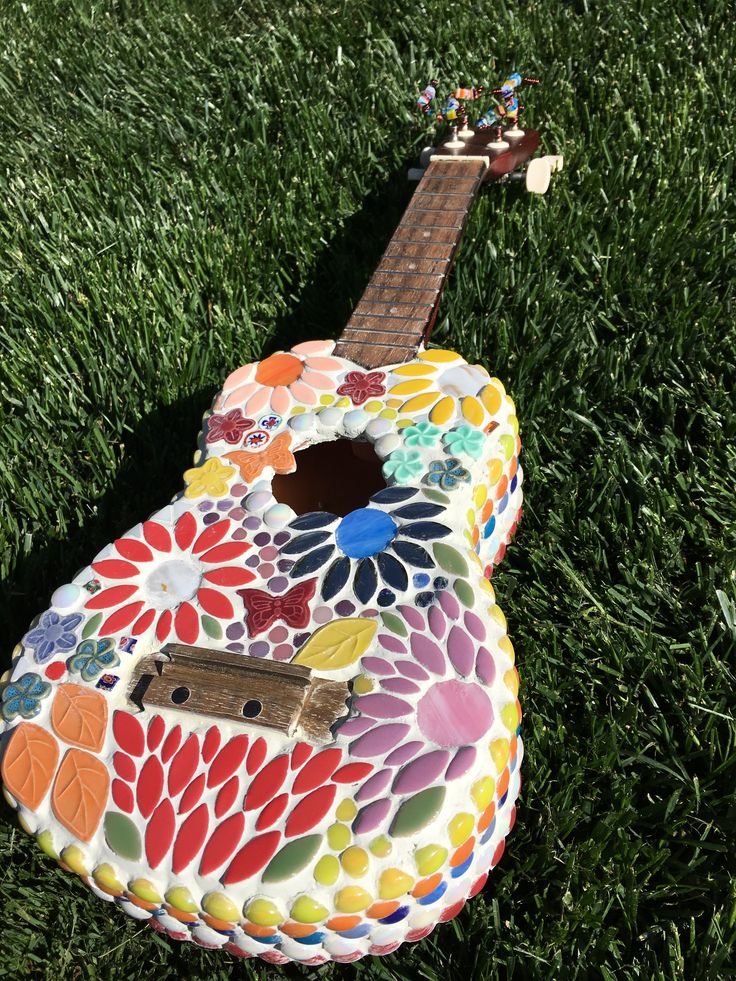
(272, 812)
(113, 596)
(143, 623)
(300, 754)
(317, 771)
(157, 536)
(186, 623)
(183, 766)
(252, 858)
(163, 627)
(225, 552)
(192, 794)
(122, 795)
(352, 772)
(215, 604)
(229, 575)
(150, 786)
(115, 569)
(190, 838)
(267, 783)
(226, 797)
(310, 810)
(224, 840)
(156, 730)
(160, 833)
(171, 744)
(124, 766)
(133, 549)
(185, 530)
(128, 733)
(211, 744)
(227, 760)
(211, 536)
(121, 618)
(256, 756)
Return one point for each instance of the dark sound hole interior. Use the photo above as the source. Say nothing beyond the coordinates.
(180, 695)
(252, 708)
(338, 476)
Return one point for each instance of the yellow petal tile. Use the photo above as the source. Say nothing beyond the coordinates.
(419, 402)
(439, 356)
(443, 411)
(414, 370)
(472, 410)
(491, 398)
(412, 386)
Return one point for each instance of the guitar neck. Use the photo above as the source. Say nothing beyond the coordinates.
(397, 311)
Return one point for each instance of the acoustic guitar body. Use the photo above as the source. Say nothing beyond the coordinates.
(280, 716)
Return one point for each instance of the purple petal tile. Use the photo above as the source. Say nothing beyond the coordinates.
(400, 686)
(404, 753)
(420, 773)
(485, 666)
(461, 762)
(390, 643)
(461, 649)
(411, 669)
(379, 740)
(380, 706)
(437, 622)
(413, 617)
(375, 785)
(475, 625)
(377, 665)
(356, 727)
(449, 604)
(428, 653)
(372, 815)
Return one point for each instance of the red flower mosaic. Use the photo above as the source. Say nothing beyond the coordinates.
(171, 578)
(163, 780)
(228, 427)
(360, 386)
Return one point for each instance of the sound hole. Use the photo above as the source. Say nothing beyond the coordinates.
(338, 476)
(252, 709)
(180, 695)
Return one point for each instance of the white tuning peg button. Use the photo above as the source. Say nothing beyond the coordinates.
(425, 156)
(538, 175)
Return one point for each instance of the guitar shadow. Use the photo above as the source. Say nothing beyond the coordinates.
(150, 474)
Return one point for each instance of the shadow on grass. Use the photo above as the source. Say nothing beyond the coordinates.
(152, 463)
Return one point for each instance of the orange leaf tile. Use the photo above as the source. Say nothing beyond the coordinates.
(80, 793)
(29, 763)
(79, 716)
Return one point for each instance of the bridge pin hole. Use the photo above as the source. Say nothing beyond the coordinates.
(180, 695)
(252, 708)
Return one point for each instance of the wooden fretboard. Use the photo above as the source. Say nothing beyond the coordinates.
(398, 309)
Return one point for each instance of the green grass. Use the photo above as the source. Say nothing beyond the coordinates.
(186, 185)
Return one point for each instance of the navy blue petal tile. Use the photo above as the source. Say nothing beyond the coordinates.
(425, 531)
(413, 555)
(312, 561)
(302, 543)
(392, 571)
(337, 576)
(315, 519)
(413, 511)
(393, 495)
(366, 581)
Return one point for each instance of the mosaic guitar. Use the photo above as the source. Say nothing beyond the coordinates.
(280, 717)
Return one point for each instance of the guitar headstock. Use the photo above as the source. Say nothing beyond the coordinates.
(495, 135)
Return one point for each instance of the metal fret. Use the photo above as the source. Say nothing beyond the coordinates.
(426, 258)
(402, 347)
(391, 316)
(399, 303)
(406, 272)
(451, 177)
(438, 211)
(444, 194)
(409, 224)
(404, 289)
(376, 330)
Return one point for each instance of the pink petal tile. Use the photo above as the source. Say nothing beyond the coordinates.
(281, 400)
(303, 393)
(257, 402)
(325, 364)
(238, 395)
(240, 376)
(314, 347)
(316, 380)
